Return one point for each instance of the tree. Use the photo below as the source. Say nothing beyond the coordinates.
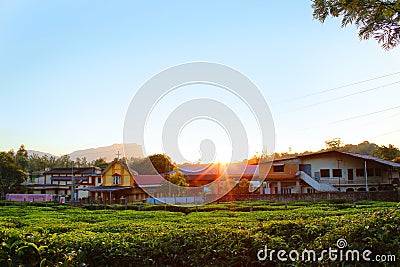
(35, 163)
(78, 162)
(11, 176)
(365, 148)
(162, 163)
(153, 164)
(142, 165)
(11, 154)
(84, 162)
(6, 157)
(333, 143)
(100, 162)
(387, 152)
(379, 19)
(21, 158)
(242, 187)
(62, 162)
(178, 178)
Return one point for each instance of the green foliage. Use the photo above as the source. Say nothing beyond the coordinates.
(21, 158)
(15, 251)
(242, 187)
(153, 164)
(217, 235)
(100, 162)
(11, 176)
(337, 201)
(36, 163)
(162, 163)
(365, 148)
(178, 178)
(387, 152)
(334, 143)
(375, 18)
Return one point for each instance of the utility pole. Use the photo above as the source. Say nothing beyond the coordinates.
(169, 182)
(73, 184)
(340, 174)
(366, 176)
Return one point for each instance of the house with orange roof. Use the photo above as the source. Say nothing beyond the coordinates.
(120, 184)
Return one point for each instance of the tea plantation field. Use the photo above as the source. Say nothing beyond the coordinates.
(215, 235)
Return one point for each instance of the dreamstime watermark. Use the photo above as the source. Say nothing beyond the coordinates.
(340, 254)
(145, 105)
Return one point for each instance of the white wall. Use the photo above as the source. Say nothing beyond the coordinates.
(330, 161)
(39, 180)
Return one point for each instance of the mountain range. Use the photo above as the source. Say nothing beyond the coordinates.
(107, 152)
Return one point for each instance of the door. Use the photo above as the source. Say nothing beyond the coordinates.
(350, 174)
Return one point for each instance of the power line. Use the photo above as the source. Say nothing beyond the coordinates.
(364, 115)
(387, 133)
(344, 96)
(343, 86)
(350, 118)
(382, 119)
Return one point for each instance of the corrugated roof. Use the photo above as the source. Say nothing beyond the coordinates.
(83, 170)
(68, 178)
(362, 156)
(215, 169)
(368, 157)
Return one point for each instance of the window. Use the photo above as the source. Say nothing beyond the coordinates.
(99, 180)
(359, 172)
(310, 190)
(278, 168)
(286, 190)
(116, 179)
(350, 174)
(370, 171)
(378, 172)
(325, 173)
(337, 172)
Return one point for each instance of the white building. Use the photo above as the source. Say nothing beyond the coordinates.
(58, 181)
(330, 171)
(349, 171)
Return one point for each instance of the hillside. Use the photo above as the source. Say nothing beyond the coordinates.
(40, 153)
(108, 152)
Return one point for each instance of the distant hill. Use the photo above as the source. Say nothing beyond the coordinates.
(108, 152)
(40, 153)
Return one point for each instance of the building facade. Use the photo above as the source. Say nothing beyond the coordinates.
(59, 181)
(329, 171)
(118, 185)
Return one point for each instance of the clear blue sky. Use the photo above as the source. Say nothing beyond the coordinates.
(69, 69)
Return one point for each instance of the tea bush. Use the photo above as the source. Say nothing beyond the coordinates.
(217, 235)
